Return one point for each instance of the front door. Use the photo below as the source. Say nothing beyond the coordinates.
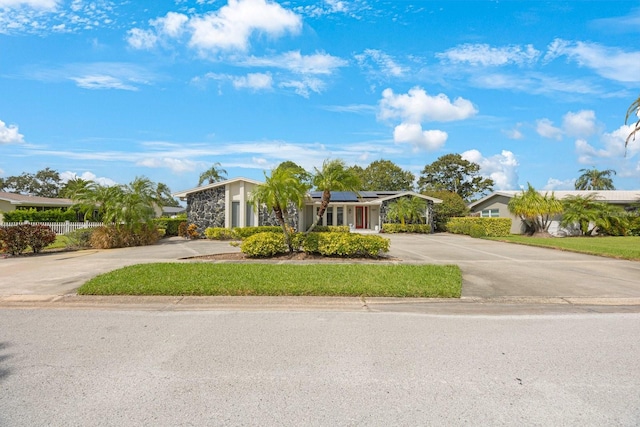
(361, 216)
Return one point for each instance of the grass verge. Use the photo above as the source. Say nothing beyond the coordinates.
(435, 281)
(627, 247)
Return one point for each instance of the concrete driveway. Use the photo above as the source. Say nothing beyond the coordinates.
(491, 270)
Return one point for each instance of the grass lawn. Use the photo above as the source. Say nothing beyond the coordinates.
(615, 247)
(60, 243)
(322, 279)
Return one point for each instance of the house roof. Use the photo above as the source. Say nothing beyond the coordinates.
(185, 193)
(609, 196)
(367, 197)
(24, 200)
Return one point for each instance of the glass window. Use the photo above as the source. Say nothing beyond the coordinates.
(339, 216)
(249, 215)
(490, 213)
(330, 216)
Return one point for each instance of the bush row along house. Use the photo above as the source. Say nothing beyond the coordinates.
(496, 206)
(12, 201)
(226, 204)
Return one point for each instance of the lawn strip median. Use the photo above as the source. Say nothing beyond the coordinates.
(626, 247)
(326, 279)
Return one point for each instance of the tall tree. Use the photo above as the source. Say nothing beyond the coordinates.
(452, 172)
(634, 110)
(214, 174)
(594, 179)
(163, 193)
(452, 206)
(74, 187)
(583, 211)
(297, 170)
(44, 183)
(535, 210)
(278, 191)
(334, 176)
(386, 175)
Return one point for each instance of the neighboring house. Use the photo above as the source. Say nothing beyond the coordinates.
(496, 205)
(226, 204)
(172, 211)
(12, 201)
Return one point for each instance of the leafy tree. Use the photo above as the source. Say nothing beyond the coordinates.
(581, 210)
(407, 209)
(452, 206)
(594, 179)
(452, 172)
(386, 175)
(279, 190)
(297, 170)
(44, 183)
(334, 176)
(633, 110)
(535, 210)
(214, 174)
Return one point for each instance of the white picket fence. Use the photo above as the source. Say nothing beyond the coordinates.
(58, 227)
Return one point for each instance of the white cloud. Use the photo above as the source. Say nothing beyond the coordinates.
(35, 4)
(175, 165)
(141, 39)
(486, 55)
(556, 184)
(87, 176)
(255, 81)
(501, 168)
(514, 133)
(546, 129)
(10, 134)
(417, 106)
(318, 63)
(172, 24)
(580, 124)
(383, 62)
(412, 133)
(608, 62)
(305, 86)
(102, 82)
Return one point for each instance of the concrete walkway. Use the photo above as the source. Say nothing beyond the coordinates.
(492, 271)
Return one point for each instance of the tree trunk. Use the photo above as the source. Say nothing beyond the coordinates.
(280, 217)
(326, 198)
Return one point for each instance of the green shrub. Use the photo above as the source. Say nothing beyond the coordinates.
(33, 215)
(218, 233)
(120, 237)
(170, 225)
(264, 244)
(480, 227)
(407, 228)
(79, 239)
(331, 229)
(244, 232)
(345, 244)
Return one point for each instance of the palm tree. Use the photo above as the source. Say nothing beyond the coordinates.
(334, 176)
(407, 209)
(74, 187)
(280, 190)
(581, 210)
(594, 179)
(534, 209)
(634, 109)
(214, 174)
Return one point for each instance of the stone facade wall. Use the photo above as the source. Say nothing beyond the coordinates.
(267, 217)
(206, 208)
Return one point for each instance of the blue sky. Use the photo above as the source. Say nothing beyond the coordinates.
(533, 91)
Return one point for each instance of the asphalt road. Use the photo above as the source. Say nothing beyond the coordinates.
(140, 368)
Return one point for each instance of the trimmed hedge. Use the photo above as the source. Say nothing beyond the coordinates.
(244, 232)
(119, 237)
(218, 233)
(480, 227)
(18, 238)
(264, 244)
(407, 228)
(33, 215)
(331, 229)
(345, 244)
